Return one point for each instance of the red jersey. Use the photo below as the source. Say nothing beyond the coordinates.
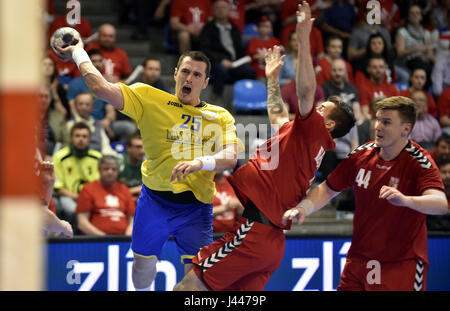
(431, 104)
(443, 104)
(258, 46)
(225, 222)
(192, 11)
(283, 168)
(115, 61)
(382, 231)
(369, 90)
(323, 71)
(69, 68)
(84, 27)
(109, 208)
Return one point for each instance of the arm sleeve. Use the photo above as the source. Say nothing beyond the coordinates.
(85, 202)
(343, 176)
(132, 99)
(428, 177)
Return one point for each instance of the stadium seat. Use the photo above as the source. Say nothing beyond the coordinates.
(401, 86)
(249, 96)
(118, 147)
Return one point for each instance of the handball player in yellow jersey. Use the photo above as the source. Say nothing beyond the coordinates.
(185, 141)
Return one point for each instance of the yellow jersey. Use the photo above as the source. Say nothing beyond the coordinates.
(71, 172)
(173, 132)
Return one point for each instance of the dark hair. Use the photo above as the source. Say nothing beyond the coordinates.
(197, 56)
(405, 106)
(144, 63)
(443, 160)
(343, 117)
(79, 126)
(135, 135)
(94, 52)
(444, 137)
(331, 38)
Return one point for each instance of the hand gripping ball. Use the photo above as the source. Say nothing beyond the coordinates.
(63, 37)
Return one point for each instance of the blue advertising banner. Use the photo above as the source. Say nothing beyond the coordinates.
(312, 264)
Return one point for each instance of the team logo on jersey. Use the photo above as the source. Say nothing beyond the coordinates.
(209, 115)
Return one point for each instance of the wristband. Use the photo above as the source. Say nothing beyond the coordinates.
(80, 56)
(209, 163)
(307, 205)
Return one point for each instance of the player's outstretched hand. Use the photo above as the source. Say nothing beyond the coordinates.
(304, 21)
(65, 54)
(393, 196)
(297, 213)
(183, 169)
(274, 62)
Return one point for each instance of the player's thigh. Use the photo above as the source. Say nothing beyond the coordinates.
(150, 230)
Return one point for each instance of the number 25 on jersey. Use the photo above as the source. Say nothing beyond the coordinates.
(363, 178)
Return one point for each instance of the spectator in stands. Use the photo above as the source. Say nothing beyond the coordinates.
(75, 165)
(130, 167)
(115, 60)
(84, 103)
(102, 110)
(152, 73)
(46, 136)
(334, 51)
(59, 108)
(357, 46)
(68, 71)
(116, 125)
(338, 20)
(375, 86)
(227, 209)
(441, 76)
(390, 13)
(377, 46)
(83, 26)
(258, 46)
(442, 147)
(413, 43)
(146, 13)
(426, 130)
(105, 206)
(417, 83)
(238, 12)
(442, 222)
(287, 73)
(290, 97)
(187, 19)
(443, 107)
(339, 85)
(220, 40)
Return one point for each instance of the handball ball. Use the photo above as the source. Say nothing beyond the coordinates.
(63, 37)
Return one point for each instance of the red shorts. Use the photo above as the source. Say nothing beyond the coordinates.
(243, 260)
(366, 275)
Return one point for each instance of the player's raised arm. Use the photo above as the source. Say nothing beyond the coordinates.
(276, 109)
(305, 76)
(94, 80)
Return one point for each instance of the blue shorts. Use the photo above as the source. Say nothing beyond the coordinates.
(156, 219)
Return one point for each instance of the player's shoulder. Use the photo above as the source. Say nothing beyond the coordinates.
(364, 148)
(212, 112)
(62, 153)
(94, 154)
(418, 156)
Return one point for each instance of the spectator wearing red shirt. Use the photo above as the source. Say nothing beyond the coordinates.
(334, 51)
(115, 60)
(258, 46)
(443, 107)
(106, 206)
(227, 208)
(417, 83)
(187, 19)
(375, 86)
